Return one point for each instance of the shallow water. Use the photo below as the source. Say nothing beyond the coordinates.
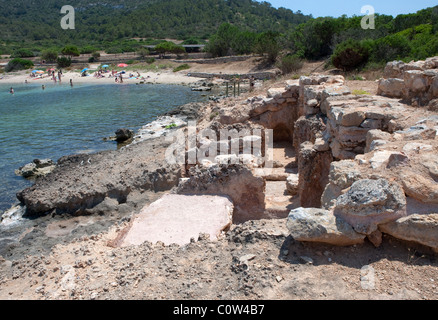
(62, 120)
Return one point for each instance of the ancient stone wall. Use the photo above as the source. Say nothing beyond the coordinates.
(415, 82)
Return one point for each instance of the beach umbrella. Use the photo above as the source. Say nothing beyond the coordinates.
(85, 69)
(35, 71)
(122, 65)
(105, 66)
(40, 71)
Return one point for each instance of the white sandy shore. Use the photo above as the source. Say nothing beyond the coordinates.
(165, 77)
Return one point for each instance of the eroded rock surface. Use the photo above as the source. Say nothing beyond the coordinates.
(80, 182)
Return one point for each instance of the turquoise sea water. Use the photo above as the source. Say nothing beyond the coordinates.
(61, 120)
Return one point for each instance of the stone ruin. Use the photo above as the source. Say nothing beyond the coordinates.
(365, 164)
(415, 82)
(356, 166)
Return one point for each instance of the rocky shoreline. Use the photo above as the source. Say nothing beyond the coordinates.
(355, 171)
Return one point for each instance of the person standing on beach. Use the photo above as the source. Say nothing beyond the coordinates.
(59, 75)
(251, 83)
(71, 82)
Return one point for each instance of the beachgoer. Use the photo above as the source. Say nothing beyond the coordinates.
(43, 87)
(25, 81)
(11, 91)
(59, 76)
(71, 82)
(251, 83)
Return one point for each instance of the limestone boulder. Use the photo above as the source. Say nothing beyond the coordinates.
(394, 69)
(276, 92)
(415, 81)
(431, 63)
(392, 87)
(319, 225)
(352, 134)
(178, 218)
(419, 187)
(434, 88)
(432, 166)
(329, 196)
(414, 65)
(343, 173)
(382, 157)
(37, 168)
(422, 229)
(292, 184)
(433, 104)
(369, 203)
(375, 134)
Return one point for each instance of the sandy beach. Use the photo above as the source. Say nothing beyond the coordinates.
(163, 77)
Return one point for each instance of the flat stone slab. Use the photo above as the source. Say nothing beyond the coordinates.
(176, 218)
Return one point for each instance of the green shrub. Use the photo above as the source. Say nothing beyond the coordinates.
(169, 47)
(143, 53)
(87, 50)
(70, 50)
(389, 48)
(267, 44)
(22, 53)
(95, 56)
(290, 63)
(356, 77)
(360, 92)
(181, 67)
(18, 64)
(170, 126)
(150, 60)
(192, 40)
(63, 62)
(350, 54)
(114, 50)
(49, 55)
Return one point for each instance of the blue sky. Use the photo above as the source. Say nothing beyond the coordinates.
(336, 8)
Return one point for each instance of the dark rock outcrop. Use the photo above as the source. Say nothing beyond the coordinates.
(124, 134)
(81, 182)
